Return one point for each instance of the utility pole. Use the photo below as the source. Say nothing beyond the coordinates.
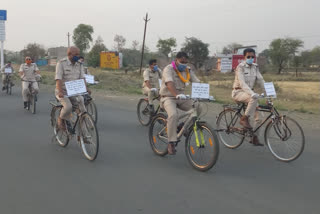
(146, 20)
(68, 39)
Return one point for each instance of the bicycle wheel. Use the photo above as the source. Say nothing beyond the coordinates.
(92, 110)
(143, 112)
(158, 137)
(285, 138)
(89, 138)
(61, 136)
(202, 155)
(33, 103)
(229, 129)
(10, 89)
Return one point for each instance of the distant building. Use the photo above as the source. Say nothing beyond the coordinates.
(57, 53)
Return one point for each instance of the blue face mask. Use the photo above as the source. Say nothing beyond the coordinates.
(155, 68)
(250, 61)
(182, 67)
(75, 59)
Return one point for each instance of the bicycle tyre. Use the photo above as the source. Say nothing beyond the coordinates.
(154, 139)
(55, 112)
(141, 107)
(33, 103)
(223, 130)
(92, 111)
(267, 138)
(84, 118)
(213, 142)
(10, 89)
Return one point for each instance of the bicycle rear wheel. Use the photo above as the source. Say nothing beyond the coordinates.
(144, 115)
(89, 138)
(61, 136)
(229, 129)
(285, 138)
(202, 155)
(92, 111)
(158, 137)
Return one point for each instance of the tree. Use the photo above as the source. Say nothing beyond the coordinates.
(229, 49)
(82, 36)
(165, 46)
(93, 56)
(120, 42)
(197, 50)
(297, 60)
(282, 50)
(135, 45)
(34, 50)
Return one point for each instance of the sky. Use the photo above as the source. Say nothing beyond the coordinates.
(218, 23)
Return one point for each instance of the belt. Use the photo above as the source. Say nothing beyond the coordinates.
(163, 96)
(237, 88)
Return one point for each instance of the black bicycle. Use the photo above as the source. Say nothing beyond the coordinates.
(8, 84)
(32, 97)
(283, 135)
(144, 114)
(91, 107)
(81, 125)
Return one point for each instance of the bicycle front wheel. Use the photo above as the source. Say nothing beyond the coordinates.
(144, 115)
(285, 138)
(229, 129)
(158, 137)
(61, 136)
(92, 110)
(33, 103)
(89, 138)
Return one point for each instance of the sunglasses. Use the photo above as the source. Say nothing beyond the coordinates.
(250, 57)
(28, 59)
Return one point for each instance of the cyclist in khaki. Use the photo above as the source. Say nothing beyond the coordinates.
(4, 75)
(28, 72)
(68, 69)
(175, 77)
(150, 85)
(246, 76)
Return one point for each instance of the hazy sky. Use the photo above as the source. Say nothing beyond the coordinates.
(249, 22)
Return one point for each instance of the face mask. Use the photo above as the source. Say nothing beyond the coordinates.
(182, 67)
(155, 68)
(75, 59)
(250, 61)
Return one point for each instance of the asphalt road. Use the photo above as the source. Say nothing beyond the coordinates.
(38, 176)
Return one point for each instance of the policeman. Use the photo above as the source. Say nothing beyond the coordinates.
(150, 85)
(175, 77)
(28, 73)
(68, 69)
(4, 75)
(246, 75)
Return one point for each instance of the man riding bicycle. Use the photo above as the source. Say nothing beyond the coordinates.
(150, 85)
(246, 76)
(29, 73)
(68, 69)
(175, 78)
(4, 75)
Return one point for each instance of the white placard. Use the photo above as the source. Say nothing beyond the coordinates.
(75, 87)
(200, 90)
(160, 82)
(270, 90)
(89, 78)
(226, 64)
(8, 70)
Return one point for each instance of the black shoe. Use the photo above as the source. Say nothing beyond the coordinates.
(172, 148)
(25, 105)
(3, 88)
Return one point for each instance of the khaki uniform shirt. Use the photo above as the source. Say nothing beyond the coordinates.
(29, 71)
(6, 66)
(153, 78)
(66, 71)
(170, 75)
(246, 76)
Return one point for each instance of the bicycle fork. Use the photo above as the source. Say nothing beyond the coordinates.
(202, 144)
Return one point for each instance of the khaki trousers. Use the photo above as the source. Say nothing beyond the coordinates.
(252, 104)
(171, 105)
(25, 89)
(67, 103)
(151, 94)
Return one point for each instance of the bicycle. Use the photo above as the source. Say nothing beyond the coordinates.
(279, 130)
(8, 84)
(201, 138)
(143, 112)
(32, 97)
(91, 107)
(81, 125)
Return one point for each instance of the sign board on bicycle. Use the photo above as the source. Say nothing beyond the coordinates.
(8, 70)
(89, 78)
(200, 90)
(75, 87)
(270, 90)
